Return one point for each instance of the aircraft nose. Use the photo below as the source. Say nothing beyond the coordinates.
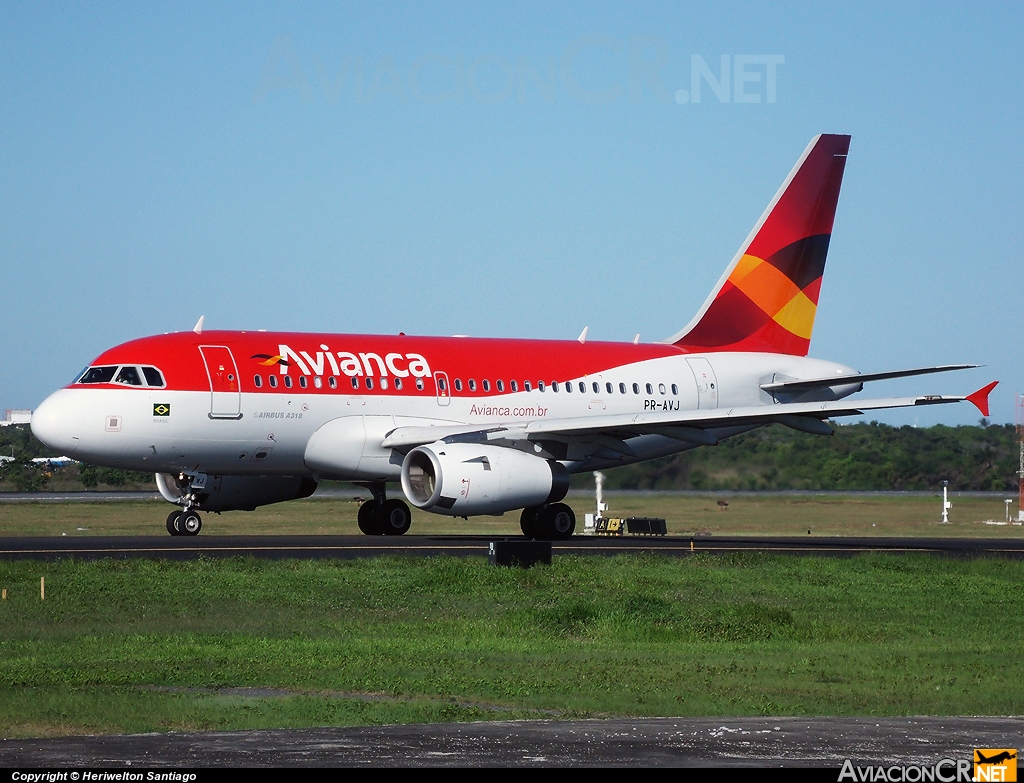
(55, 424)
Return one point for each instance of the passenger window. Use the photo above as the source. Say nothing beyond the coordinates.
(273, 381)
(318, 382)
(472, 385)
(442, 384)
(332, 382)
(608, 387)
(303, 382)
(355, 382)
(514, 385)
(675, 390)
(258, 381)
(383, 383)
(486, 385)
(500, 385)
(583, 387)
(153, 376)
(540, 386)
(398, 383)
(98, 375)
(622, 388)
(554, 386)
(661, 388)
(526, 386)
(636, 388)
(568, 386)
(129, 376)
(288, 381)
(419, 384)
(458, 384)
(650, 389)
(369, 383)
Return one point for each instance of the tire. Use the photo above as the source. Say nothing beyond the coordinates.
(172, 523)
(190, 523)
(556, 522)
(367, 519)
(528, 522)
(563, 521)
(393, 517)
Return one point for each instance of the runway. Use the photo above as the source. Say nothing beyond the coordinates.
(353, 547)
(649, 742)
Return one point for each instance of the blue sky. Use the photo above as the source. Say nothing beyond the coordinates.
(503, 170)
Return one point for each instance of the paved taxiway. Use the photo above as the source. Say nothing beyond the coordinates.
(352, 547)
(678, 742)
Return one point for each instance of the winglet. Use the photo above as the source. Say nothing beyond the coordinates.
(198, 328)
(980, 398)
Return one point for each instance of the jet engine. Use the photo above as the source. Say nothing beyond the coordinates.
(236, 493)
(465, 479)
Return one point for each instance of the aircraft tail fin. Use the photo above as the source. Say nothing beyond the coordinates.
(767, 299)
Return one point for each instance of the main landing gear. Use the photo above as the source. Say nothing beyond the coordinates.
(184, 523)
(383, 517)
(555, 522)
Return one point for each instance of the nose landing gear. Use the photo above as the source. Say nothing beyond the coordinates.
(184, 523)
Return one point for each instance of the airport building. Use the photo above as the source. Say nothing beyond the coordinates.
(16, 416)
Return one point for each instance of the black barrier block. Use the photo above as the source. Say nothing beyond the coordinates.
(522, 553)
(646, 526)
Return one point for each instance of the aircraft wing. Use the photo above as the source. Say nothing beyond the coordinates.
(694, 426)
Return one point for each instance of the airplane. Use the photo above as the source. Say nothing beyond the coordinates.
(233, 420)
(1006, 755)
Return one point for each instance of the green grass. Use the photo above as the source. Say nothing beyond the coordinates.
(151, 646)
(766, 515)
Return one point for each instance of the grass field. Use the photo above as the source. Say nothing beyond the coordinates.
(132, 646)
(765, 514)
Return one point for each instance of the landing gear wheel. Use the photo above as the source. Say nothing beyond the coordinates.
(556, 522)
(190, 523)
(528, 522)
(172, 523)
(368, 520)
(393, 517)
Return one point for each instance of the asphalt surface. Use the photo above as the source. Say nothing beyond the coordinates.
(352, 547)
(652, 742)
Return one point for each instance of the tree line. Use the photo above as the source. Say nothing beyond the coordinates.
(857, 457)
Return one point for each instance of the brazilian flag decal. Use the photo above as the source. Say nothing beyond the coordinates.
(161, 409)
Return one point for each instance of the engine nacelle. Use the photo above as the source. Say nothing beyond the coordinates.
(348, 448)
(464, 479)
(237, 493)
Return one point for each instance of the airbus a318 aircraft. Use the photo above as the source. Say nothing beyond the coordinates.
(232, 420)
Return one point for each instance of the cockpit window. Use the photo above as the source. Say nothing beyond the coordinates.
(153, 376)
(129, 376)
(98, 375)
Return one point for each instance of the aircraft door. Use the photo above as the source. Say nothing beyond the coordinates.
(707, 383)
(225, 394)
(444, 392)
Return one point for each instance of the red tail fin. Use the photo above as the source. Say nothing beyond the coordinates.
(767, 299)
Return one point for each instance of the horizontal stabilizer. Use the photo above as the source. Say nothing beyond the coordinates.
(841, 380)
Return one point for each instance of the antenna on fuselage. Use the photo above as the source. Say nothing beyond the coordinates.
(636, 340)
(583, 335)
(198, 328)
